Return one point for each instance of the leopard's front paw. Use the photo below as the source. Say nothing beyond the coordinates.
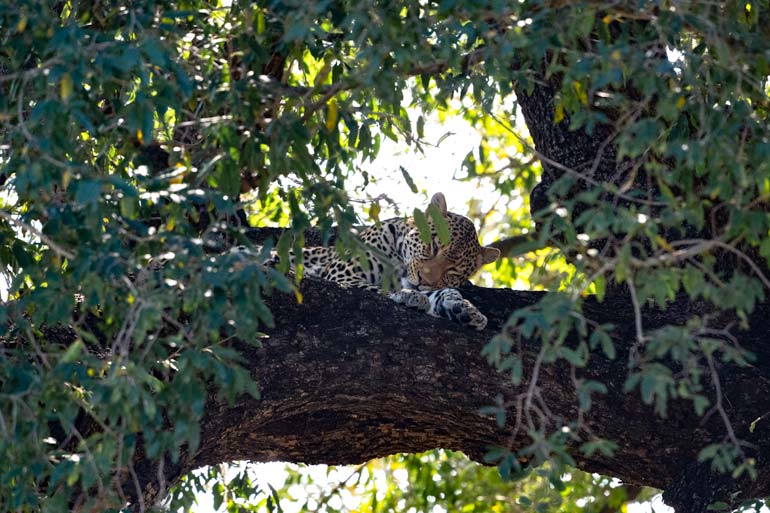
(467, 314)
(449, 303)
(411, 298)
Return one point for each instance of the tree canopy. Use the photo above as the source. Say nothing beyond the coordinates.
(623, 168)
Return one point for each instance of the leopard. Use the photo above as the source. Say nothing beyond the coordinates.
(427, 273)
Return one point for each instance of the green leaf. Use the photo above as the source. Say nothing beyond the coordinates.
(700, 403)
(708, 452)
(440, 223)
(585, 23)
(422, 225)
(20, 382)
(260, 22)
(408, 179)
(276, 499)
(601, 286)
(605, 447)
(128, 207)
(88, 192)
(20, 251)
(218, 492)
(283, 248)
(229, 179)
(66, 86)
(601, 338)
(72, 352)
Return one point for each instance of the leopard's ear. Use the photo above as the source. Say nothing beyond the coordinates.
(439, 200)
(489, 255)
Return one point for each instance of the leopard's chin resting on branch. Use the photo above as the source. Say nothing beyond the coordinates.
(348, 375)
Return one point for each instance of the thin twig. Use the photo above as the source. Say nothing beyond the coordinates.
(45, 65)
(137, 488)
(720, 409)
(339, 486)
(30, 73)
(743, 256)
(161, 478)
(533, 383)
(696, 247)
(38, 349)
(43, 237)
(637, 319)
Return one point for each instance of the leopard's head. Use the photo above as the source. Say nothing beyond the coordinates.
(435, 265)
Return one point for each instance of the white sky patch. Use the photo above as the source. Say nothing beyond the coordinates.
(674, 55)
(656, 505)
(676, 58)
(324, 479)
(8, 199)
(432, 170)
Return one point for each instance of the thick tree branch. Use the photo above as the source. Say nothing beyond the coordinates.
(348, 376)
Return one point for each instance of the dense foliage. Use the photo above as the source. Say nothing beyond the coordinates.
(132, 136)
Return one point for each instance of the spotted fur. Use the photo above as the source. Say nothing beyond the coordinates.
(428, 273)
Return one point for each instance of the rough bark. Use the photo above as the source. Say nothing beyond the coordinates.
(574, 150)
(348, 376)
